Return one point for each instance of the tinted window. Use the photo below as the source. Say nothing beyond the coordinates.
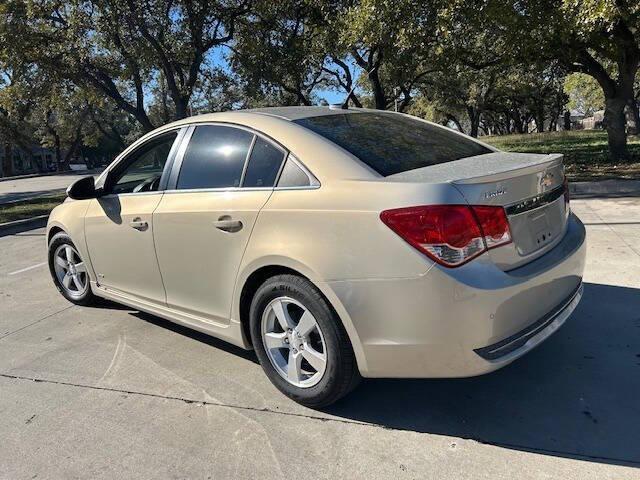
(293, 176)
(391, 143)
(214, 158)
(147, 163)
(264, 164)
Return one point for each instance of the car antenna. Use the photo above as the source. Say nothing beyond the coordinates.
(345, 104)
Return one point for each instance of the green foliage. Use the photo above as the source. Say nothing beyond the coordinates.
(10, 212)
(586, 152)
(585, 95)
(105, 71)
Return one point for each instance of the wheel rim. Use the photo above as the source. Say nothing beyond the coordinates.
(294, 342)
(71, 271)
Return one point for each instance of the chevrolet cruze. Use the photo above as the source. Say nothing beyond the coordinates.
(336, 243)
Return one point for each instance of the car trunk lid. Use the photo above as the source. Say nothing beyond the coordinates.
(529, 186)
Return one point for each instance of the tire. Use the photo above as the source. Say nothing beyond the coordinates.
(80, 296)
(315, 387)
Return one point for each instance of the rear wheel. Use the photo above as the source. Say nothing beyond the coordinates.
(68, 270)
(301, 343)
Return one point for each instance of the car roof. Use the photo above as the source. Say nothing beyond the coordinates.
(284, 113)
(295, 113)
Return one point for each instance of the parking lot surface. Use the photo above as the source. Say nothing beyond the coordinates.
(15, 189)
(110, 392)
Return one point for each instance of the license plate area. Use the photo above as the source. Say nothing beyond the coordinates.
(540, 228)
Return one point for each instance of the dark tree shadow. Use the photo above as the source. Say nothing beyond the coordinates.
(198, 336)
(577, 395)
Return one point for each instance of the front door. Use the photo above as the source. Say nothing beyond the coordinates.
(204, 222)
(119, 225)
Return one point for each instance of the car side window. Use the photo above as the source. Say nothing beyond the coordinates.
(264, 164)
(214, 158)
(293, 175)
(144, 167)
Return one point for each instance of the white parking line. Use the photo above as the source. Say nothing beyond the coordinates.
(28, 268)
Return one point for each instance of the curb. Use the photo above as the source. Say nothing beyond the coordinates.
(605, 189)
(19, 226)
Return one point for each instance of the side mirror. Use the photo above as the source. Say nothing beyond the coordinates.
(83, 189)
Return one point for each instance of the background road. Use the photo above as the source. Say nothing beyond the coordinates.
(109, 392)
(25, 188)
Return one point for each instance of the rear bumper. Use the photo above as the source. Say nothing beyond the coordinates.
(521, 342)
(465, 321)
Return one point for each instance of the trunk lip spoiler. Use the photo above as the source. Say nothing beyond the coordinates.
(551, 160)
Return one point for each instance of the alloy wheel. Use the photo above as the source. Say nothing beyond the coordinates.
(294, 342)
(71, 271)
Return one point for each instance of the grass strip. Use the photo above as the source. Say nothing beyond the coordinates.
(35, 207)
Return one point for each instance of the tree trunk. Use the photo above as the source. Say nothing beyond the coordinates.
(615, 124)
(540, 119)
(475, 124)
(58, 150)
(634, 129)
(182, 107)
(474, 120)
(378, 92)
(7, 161)
(518, 127)
(567, 120)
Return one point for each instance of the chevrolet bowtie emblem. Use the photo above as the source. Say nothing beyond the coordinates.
(547, 180)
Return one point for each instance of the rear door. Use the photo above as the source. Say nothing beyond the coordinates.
(203, 222)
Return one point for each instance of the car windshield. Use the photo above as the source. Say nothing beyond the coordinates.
(391, 143)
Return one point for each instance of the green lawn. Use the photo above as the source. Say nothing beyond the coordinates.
(586, 154)
(29, 208)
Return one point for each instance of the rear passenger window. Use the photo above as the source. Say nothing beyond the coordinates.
(214, 158)
(264, 164)
(293, 176)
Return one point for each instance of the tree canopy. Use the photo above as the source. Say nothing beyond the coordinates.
(79, 73)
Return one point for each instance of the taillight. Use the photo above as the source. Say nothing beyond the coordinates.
(450, 234)
(494, 225)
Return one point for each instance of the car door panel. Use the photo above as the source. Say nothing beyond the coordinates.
(121, 245)
(199, 247)
(119, 224)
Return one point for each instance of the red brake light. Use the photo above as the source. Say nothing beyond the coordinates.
(450, 234)
(494, 224)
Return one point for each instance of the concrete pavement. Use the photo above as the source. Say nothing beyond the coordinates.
(109, 392)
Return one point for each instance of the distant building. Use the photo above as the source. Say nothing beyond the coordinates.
(575, 118)
(23, 163)
(593, 122)
(579, 121)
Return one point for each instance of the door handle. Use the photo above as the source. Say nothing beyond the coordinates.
(139, 224)
(227, 224)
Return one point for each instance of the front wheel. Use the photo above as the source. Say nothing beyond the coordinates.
(301, 343)
(68, 270)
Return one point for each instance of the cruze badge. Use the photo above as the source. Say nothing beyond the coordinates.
(495, 193)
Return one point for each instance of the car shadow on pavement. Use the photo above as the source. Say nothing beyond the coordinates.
(198, 336)
(577, 395)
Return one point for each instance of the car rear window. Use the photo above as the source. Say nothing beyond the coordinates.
(391, 143)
